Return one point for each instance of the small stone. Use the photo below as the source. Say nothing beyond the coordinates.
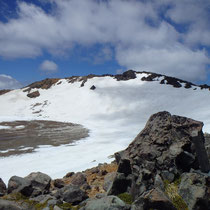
(93, 87)
(159, 182)
(167, 176)
(70, 174)
(59, 183)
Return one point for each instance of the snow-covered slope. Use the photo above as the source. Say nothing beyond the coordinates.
(114, 112)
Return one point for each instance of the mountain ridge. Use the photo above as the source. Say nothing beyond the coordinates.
(127, 75)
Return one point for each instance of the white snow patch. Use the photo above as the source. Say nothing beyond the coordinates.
(4, 127)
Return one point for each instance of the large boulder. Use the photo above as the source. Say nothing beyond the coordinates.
(3, 188)
(105, 203)
(19, 184)
(195, 190)
(40, 182)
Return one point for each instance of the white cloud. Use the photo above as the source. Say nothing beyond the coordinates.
(7, 82)
(49, 66)
(134, 29)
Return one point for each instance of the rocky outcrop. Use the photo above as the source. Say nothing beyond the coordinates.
(166, 148)
(127, 75)
(4, 91)
(33, 94)
(44, 84)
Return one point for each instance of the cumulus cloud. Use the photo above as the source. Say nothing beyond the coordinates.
(49, 66)
(143, 34)
(7, 82)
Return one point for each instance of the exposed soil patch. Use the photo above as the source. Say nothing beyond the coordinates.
(20, 137)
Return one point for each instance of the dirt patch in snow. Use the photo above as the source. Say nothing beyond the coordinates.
(20, 137)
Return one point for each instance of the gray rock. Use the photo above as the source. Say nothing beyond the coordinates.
(56, 208)
(53, 202)
(108, 180)
(194, 190)
(105, 203)
(73, 194)
(3, 188)
(79, 179)
(119, 185)
(166, 175)
(59, 183)
(40, 182)
(159, 182)
(19, 184)
(153, 199)
(42, 198)
(46, 208)
(8, 205)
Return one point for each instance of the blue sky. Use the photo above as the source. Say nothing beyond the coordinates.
(54, 38)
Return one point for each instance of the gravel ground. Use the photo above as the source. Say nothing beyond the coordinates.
(20, 137)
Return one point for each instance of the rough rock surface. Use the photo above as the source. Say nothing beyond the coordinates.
(79, 179)
(9, 205)
(33, 94)
(160, 153)
(195, 190)
(105, 203)
(154, 199)
(73, 194)
(19, 184)
(3, 188)
(4, 91)
(40, 182)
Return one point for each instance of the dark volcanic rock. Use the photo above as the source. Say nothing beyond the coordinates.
(44, 84)
(127, 75)
(165, 141)
(154, 199)
(59, 183)
(159, 154)
(33, 94)
(93, 87)
(73, 194)
(19, 184)
(3, 188)
(175, 82)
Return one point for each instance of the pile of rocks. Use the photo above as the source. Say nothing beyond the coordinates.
(165, 167)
